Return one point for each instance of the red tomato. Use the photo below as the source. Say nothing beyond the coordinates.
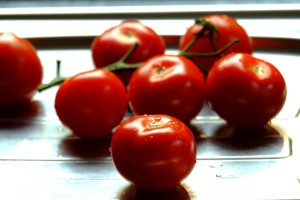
(227, 30)
(245, 91)
(20, 70)
(154, 152)
(91, 103)
(114, 43)
(167, 84)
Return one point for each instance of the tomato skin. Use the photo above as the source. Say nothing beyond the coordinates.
(245, 91)
(113, 44)
(154, 152)
(228, 29)
(20, 70)
(167, 84)
(91, 103)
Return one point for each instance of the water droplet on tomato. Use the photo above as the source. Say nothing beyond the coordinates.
(171, 122)
(157, 119)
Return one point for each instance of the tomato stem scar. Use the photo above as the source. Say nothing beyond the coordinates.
(161, 70)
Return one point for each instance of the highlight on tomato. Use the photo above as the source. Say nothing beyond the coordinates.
(114, 43)
(213, 36)
(20, 70)
(247, 92)
(167, 84)
(91, 103)
(153, 152)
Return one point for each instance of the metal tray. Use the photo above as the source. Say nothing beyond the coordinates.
(41, 159)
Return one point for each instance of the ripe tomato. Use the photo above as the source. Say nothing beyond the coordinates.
(245, 91)
(114, 43)
(154, 152)
(167, 84)
(91, 103)
(227, 30)
(20, 70)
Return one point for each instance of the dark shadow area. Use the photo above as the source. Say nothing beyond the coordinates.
(230, 142)
(132, 193)
(21, 111)
(230, 131)
(17, 120)
(13, 127)
(241, 139)
(87, 148)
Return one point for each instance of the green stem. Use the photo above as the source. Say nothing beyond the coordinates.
(58, 62)
(210, 31)
(119, 65)
(56, 81)
(201, 67)
(212, 54)
(129, 52)
(206, 27)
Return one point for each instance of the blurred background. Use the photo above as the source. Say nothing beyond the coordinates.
(56, 3)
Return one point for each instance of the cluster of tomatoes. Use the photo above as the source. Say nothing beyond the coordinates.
(154, 149)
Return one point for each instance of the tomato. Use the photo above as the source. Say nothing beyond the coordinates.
(20, 70)
(91, 103)
(154, 152)
(226, 31)
(167, 84)
(115, 42)
(245, 91)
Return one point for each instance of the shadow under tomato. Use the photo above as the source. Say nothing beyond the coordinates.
(229, 142)
(241, 139)
(132, 193)
(15, 119)
(91, 148)
(21, 111)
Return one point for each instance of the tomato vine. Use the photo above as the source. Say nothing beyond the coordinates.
(209, 30)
